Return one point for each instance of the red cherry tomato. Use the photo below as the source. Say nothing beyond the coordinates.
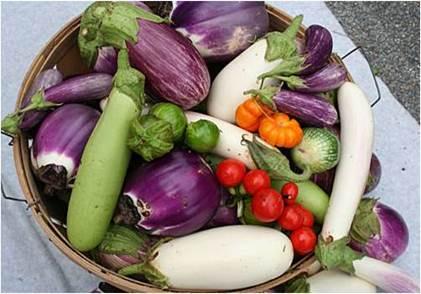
(267, 205)
(230, 172)
(291, 218)
(308, 218)
(255, 180)
(303, 240)
(289, 192)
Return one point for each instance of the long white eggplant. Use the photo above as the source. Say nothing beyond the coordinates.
(357, 133)
(334, 281)
(224, 258)
(348, 187)
(239, 75)
(229, 143)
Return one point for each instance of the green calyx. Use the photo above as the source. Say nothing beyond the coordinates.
(274, 162)
(293, 82)
(174, 115)
(10, 124)
(107, 23)
(151, 137)
(336, 254)
(148, 271)
(297, 285)
(365, 224)
(128, 80)
(121, 240)
(281, 45)
(264, 95)
(287, 67)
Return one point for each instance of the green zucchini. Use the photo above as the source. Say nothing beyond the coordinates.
(319, 150)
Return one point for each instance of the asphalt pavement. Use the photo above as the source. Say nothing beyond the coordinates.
(389, 32)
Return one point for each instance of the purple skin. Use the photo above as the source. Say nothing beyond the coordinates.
(44, 80)
(307, 108)
(106, 61)
(325, 179)
(330, 77)
(393, 238)
(224, 215)
(319, 45)
(173, 196)
(173, 67)
(222, 31)
(65, 131)
(81, 88)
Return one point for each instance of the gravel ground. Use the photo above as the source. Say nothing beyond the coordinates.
(390, 34)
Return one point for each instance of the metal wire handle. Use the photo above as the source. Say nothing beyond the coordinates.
(379, 95)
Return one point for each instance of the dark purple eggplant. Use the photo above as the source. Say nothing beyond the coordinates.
(330, 77)
(173, 67)
(59, 143)
(224, 215)
(106, 61)
(308, 109)
(318, 48)
(174, 195)
(325, 179)
(220, 32)
(379, 231)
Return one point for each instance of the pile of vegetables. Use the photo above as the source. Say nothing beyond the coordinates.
(172, 177)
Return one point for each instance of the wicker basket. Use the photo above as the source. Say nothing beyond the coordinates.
(62, 51)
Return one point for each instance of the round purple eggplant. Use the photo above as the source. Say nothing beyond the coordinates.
(220, 32)
(224, 215)
(171, 196)
(379, 231)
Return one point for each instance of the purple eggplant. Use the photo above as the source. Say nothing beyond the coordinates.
(330, 77)
(224, 215)
(374, 174)
(106, 61)
(44, 80)
(220, 32)
(59, 143)
(77, 89)
(318, 48)
(173, 67)
(308, 109)
(379, 231)
(174, 195)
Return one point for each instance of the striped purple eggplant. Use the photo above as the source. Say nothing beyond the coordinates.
(220, 32)
(308, 109)
(59, 143)
(319, 45)
(316, 53)
(171, 196)
(44, 80)
(106, 61)
(330, 77)
(173, 67)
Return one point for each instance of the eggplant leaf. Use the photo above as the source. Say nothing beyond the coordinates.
(336, 254)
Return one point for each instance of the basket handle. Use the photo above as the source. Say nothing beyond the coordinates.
(361, 49)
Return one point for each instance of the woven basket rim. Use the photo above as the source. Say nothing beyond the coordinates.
(26, 180)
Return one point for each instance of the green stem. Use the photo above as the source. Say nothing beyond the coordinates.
(294, 27)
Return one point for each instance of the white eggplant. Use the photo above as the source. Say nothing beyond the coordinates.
(238, 76)
(357, 133)
(334, 281)
(224, 258)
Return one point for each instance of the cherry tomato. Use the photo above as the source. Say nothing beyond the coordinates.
(267, 205)
(291, 218)
(230, 172)
(308, 218)
(303, 240)
(289, 192)
(255, 180)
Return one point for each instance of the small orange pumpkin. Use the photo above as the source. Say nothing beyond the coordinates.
(280, 131)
